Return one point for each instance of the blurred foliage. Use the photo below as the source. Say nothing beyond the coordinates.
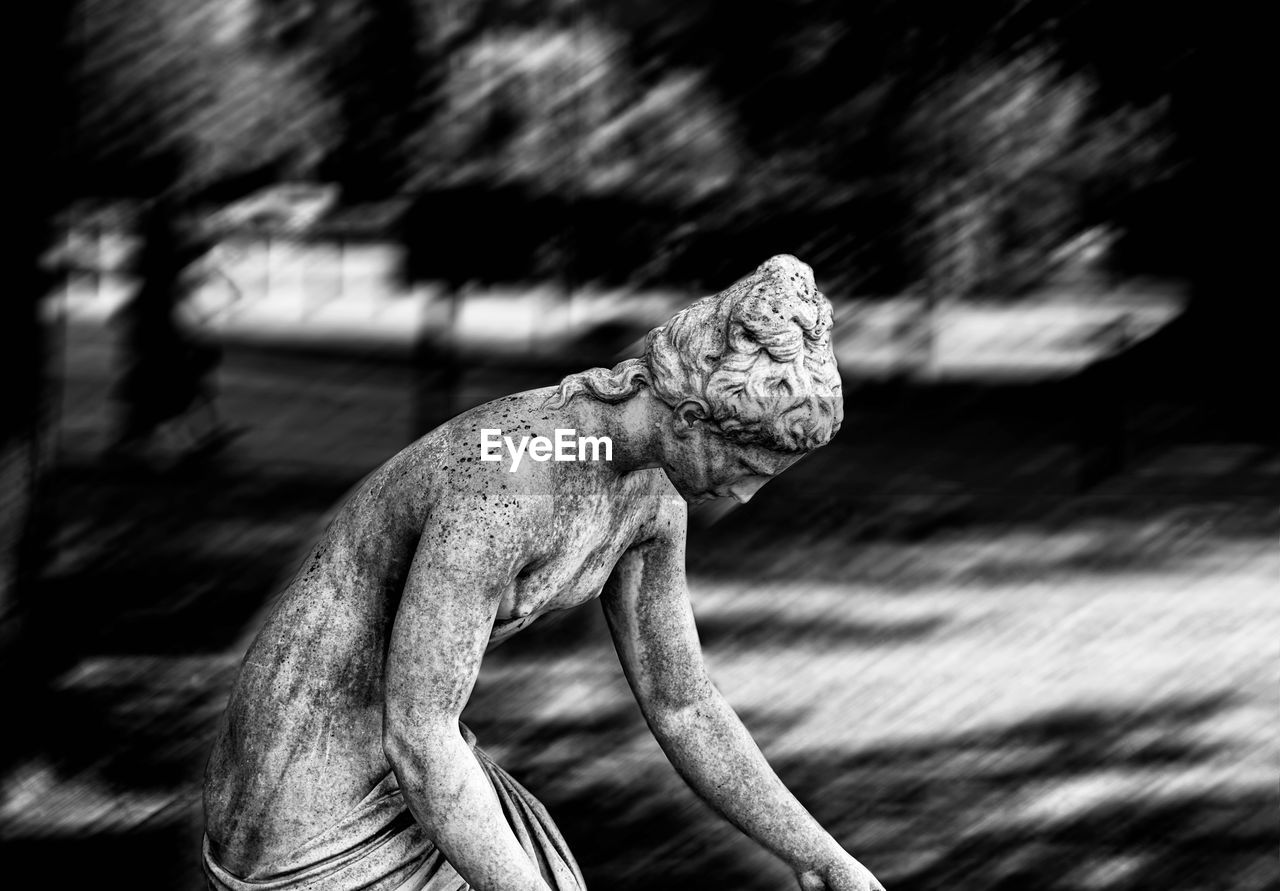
(1004, 155)
(899, 144)
(179, 93)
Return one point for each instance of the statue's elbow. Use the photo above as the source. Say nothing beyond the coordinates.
(406, 745)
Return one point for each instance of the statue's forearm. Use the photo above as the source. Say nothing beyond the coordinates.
(712, 750)
(451, 798)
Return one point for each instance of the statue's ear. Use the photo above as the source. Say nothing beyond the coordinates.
(687, 415)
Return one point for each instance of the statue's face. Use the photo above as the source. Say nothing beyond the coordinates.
(702, 464)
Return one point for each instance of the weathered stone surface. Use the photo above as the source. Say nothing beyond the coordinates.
(341, 762)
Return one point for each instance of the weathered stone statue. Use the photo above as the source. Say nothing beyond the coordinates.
(342, 763)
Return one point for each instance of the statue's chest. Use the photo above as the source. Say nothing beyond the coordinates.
(572, 574)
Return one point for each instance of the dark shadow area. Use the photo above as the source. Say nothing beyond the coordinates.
(153, 746)
(148, 858)
(174, 561)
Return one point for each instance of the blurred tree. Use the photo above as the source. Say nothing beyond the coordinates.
(519, 105)
(368, 58)
(557, 114)
(675, 143)
(560, 109)
(159, 80)
(1000, 158)
(975, 139)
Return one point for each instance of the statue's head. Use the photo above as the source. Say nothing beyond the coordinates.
(747, 377)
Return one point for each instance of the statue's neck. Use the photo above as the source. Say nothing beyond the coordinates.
(634, 426)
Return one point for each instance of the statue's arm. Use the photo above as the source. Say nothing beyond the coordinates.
(441, 630)
(647, 607)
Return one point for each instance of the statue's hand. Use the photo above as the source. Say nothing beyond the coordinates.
(841, 874)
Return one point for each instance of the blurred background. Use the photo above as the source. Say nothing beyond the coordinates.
(1015, 628)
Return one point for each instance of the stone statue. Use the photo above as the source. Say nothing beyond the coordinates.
(342, 763)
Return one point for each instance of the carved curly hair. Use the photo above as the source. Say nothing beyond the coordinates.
(757, 355)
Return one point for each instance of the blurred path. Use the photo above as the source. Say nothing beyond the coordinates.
(979, 678)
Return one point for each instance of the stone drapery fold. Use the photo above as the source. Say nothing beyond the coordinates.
(378, 846)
